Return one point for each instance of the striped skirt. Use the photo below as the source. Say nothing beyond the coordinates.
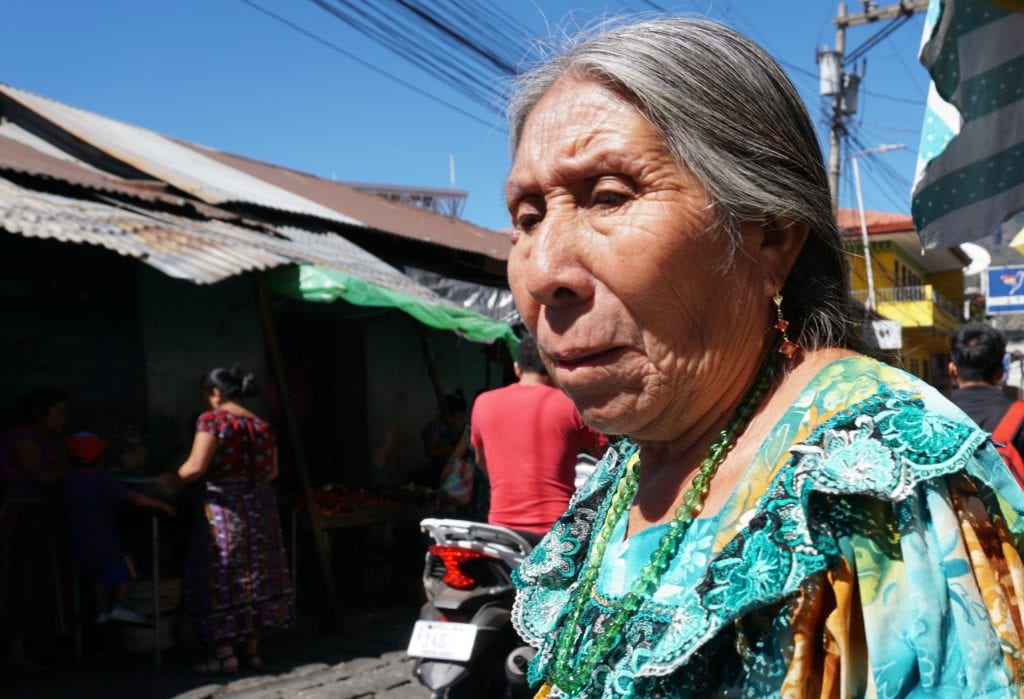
(35, 571)
(236, 582)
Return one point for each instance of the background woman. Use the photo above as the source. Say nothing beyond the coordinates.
(440, 436)
(237, 586)
(34, 590)
(787, 516)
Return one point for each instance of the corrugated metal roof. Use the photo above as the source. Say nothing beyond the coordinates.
(900, 228)
(18, 156)
(188, 169)
(200, 251)
(392, 217)
(876, 220)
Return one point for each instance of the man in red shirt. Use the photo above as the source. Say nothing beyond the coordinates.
(526, 437)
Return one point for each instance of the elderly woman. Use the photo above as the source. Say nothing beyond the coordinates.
(787, 516)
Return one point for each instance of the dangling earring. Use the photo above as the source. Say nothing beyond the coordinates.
(788, 348)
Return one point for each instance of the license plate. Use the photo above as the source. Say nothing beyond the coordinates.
(442, 640)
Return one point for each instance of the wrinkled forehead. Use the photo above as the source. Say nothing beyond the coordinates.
(576, 122)
(564, 90)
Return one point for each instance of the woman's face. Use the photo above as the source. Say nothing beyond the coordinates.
(616, 272)
(55, 419)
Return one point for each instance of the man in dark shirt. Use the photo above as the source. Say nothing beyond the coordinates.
(977, 366)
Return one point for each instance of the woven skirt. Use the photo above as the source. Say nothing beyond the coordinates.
(236, 582)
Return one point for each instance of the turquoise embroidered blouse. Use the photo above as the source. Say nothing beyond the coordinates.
(871, 550)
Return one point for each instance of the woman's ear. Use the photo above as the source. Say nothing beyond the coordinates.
(781, 243)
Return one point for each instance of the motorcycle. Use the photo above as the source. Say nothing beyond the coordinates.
(463, 642)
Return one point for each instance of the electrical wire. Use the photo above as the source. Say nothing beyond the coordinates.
(455, 43)
(875, 39)
(421, 48)
(878, 169)
(366, 64)
(894, 98)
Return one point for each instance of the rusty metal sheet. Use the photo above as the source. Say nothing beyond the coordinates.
(388, 216)
(16, 156)
(162, 158)
(202, 251)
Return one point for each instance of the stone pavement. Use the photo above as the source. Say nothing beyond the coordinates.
(388, 676)
(367, 661)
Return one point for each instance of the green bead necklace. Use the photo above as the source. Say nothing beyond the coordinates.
(572, 680)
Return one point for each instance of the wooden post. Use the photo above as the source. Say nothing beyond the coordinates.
(435, 375)
(316, 527)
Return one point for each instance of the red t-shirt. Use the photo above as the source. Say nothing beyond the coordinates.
(529, 436)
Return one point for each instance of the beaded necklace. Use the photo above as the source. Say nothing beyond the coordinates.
(572, 680)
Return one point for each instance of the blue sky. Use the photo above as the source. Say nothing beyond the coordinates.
(222, 74)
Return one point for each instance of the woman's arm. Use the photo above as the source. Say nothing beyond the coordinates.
(143, 500)
(203, 447)
(29, 458)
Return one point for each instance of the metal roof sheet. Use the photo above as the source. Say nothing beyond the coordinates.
(209, 175)
(374, 211)
(900, 229)
(188, 169)
(202, 251)
(19, 156)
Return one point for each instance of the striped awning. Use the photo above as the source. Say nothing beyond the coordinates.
(971, 160)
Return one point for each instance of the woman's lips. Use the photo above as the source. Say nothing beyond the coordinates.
(585, 359)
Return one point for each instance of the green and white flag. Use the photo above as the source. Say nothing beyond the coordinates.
(970, 175)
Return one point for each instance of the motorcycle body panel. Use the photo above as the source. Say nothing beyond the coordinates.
(467, 582)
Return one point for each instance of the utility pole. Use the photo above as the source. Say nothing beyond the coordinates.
(835, 131)
(841, 86)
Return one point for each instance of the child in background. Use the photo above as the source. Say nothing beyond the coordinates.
(91, 498)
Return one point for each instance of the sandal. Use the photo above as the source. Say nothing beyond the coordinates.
(218, 665)
(253, 661)
(250, 654)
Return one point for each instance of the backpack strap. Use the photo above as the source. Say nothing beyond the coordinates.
(1010, 424)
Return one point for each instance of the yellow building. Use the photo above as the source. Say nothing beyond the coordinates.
(923, 290)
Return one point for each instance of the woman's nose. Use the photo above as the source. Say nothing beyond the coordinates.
(551, 261)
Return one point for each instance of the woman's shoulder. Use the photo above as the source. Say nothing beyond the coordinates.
(255, 422)
(229, 416)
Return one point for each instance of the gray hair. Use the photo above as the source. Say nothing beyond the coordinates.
(729, 113)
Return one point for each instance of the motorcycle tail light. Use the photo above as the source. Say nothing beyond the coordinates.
(453, 558)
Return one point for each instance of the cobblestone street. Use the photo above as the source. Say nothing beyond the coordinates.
(367, 661)
(389, 675)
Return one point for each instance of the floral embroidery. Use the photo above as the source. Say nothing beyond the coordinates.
(857, 483)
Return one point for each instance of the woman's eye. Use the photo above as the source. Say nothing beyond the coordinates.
(526, 219)
(609, 198)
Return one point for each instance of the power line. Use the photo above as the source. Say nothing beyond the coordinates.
(334, 47)
(401, 35)
(879, 169)
(875, 39)
(469, 51)
(894, 98)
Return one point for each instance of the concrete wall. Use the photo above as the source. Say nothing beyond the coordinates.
(70, 321)
(187, 330)
(128, 344)
(400, 396)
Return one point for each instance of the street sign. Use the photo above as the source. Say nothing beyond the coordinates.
(1005, 290)
(886, 334)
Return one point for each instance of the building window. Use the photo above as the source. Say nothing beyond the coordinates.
(905, 276)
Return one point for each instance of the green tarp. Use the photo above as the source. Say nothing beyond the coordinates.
(323, 285)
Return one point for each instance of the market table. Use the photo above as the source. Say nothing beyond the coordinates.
(356, 517)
